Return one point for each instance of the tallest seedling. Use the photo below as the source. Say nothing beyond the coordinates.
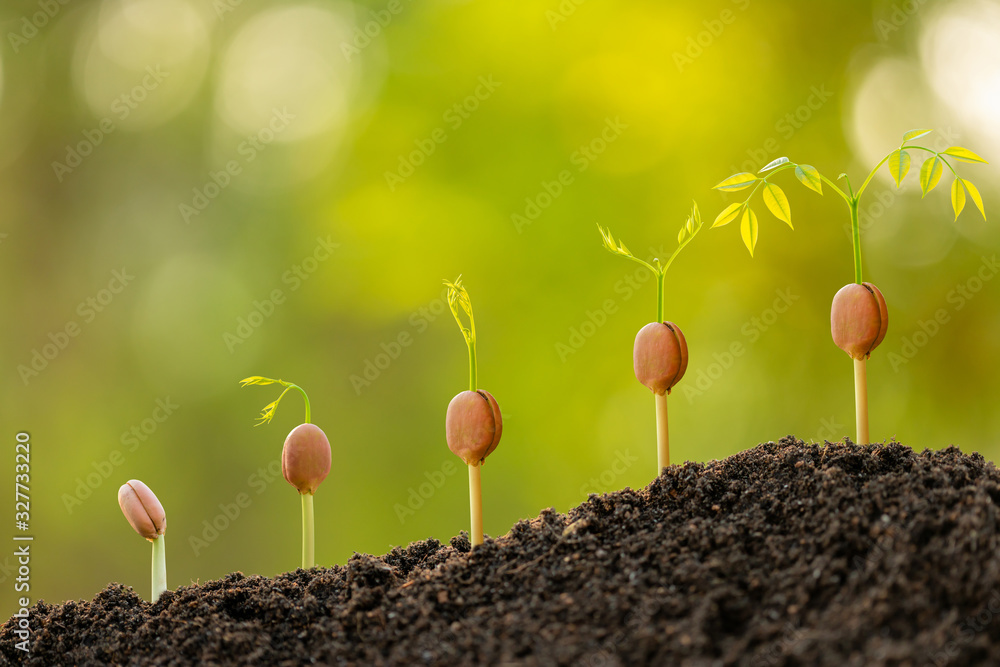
(473, 424)
(858, 318)
(660, 354)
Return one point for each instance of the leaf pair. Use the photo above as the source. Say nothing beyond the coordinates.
(267, 412)
(459, 297)
(933, 168)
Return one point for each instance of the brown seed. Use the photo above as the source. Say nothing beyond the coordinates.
(306, 458)
(473, 425)
(859, 319)
(660, 356)
(144, 512)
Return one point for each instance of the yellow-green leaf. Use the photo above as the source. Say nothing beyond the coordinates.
(930, 173)
(773, 164)
(963, 154)
(957, 196)
(737, 182)
(976, 197)
(777, 203)
(899, 165)
(728, 215)
(915, 134)
(748, 229)
(680, 235)
(809, 177)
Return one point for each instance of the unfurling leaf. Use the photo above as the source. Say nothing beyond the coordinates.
(809, 177)
(930, 173)
(899, 165)
(737, 182)
(728, 215)
(610, 245)
(963, 154)
(257, 379)
(976, 197)
(957, 196)
(772, 164)
(680, 235)
(915, 134)
(748, 229)
(777, 203)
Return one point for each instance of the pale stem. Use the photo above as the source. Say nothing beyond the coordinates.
(861, 400)
(308, 536)
(476, 504)
(159, 568)
(662, 434)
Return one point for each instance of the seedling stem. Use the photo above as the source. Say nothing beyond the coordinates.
(861, 400)
(476, 503)
(662, 433)
(159, 567)
(308, 535)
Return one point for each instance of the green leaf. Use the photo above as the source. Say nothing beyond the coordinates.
(728, 215)
(777, 202)
(748, 229)
(915, 134)
(737, 182)
(963, 154)
(930, 173)
(809, 177)
(957, 196)
(680, 235)
(899, 165)
(976, 197)
(772, 164)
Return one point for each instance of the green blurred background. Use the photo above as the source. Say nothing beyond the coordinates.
(215, 153)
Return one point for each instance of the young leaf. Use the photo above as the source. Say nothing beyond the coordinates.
(976, 197)
(809, 177)
(680, 235)
(737, 182)
(728, 215)
(772, 164)
(257, 379)
(610, 245)
(915, 134)
(777, 202)
(899, 165)
(957, 196)
(748, 229)
(930, 173)
(963, 154)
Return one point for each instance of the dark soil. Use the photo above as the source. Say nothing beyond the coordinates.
(786, 554)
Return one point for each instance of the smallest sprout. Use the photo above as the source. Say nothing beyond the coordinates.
(145, 514)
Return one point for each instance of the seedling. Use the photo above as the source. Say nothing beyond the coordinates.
(473, 424)
(660, 354)
(145, 514)
(305, 461)
(858, 317)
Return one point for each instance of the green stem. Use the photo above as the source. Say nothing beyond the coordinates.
(159, 568)
(308, 534)
(659, 294)
(472, 363)
(856, 234)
